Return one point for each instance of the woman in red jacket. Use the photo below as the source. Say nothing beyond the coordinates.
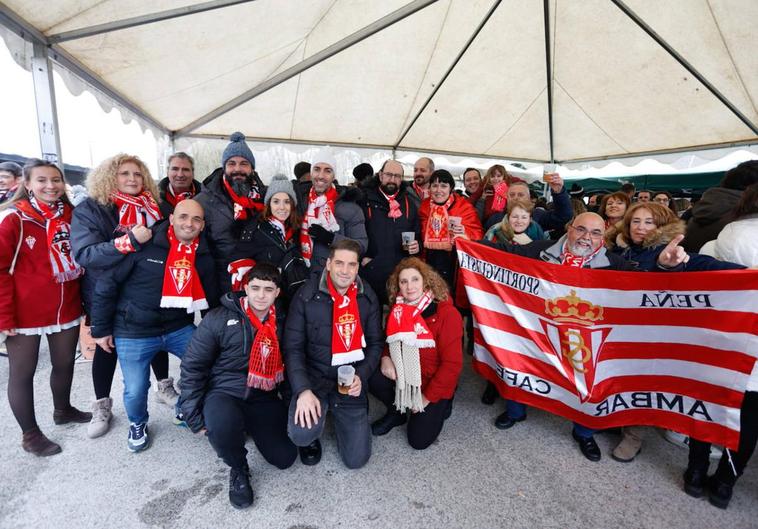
(420, 368)
(444, 217)
(39, 295)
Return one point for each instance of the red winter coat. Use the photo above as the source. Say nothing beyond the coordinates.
(474, 231)
(441, 365)
(31, 297)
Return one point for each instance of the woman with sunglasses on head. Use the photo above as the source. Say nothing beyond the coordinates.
(39, 293)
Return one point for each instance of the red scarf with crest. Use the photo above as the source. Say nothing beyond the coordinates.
(437, 229)
(57, 221)
(265, 369)
(320, 211)
(135, 209)
(347, 332)
(181, 283)
(244, 206)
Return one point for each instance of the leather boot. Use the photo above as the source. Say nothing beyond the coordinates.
(35, 442)
(71, 414)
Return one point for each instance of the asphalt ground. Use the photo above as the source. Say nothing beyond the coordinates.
(474, 476)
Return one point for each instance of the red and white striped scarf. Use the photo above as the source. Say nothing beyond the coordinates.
(182, 287)
(578, 261)
(57, 221)
(173, 198)
(265, 368)
(320, 211)
(394, 211)
(135, 209)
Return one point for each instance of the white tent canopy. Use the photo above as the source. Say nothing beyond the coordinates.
(446, 76)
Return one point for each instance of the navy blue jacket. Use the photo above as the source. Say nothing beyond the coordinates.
(129, 295)
(93, 229)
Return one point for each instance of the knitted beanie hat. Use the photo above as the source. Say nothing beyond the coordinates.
(280, 184)
(237, 147)
(326, 156)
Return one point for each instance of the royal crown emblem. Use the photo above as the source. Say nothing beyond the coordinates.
(346, 329)
(181, 271)
(573, 341)
(573, 309)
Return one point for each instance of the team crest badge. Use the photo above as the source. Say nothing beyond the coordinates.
(346, 329)
(30, 241)
(181, 272)
(574, 341)
(265, 348)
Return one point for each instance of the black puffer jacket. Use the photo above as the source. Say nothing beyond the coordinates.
(264, 243)
(217, 357)
(348, 214)
(709, 216)
(221, 230)
(129, 295)
(93, 229)
(307, 342)
(385, 243)
(166, 207)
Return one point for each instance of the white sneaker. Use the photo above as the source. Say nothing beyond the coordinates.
(166, 393)
(683, 441)
(101, 418)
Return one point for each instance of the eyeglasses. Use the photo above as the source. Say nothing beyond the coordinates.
(663, 200)
(582, 231)
(395, 176)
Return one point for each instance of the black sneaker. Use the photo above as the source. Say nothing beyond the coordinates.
(388, 422)
(240, 492)
(310, 455)
(588, 447)
(138, 439)
(503, 421)
(719, 493)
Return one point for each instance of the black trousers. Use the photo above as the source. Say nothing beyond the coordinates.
(424, 427)
(699, 451)
(263, 415)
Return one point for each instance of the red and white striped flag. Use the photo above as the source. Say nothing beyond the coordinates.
(606, 348)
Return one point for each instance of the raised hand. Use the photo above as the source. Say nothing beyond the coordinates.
(673, 255)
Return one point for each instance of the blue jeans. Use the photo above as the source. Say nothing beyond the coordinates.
(517, 410)
(135, 355)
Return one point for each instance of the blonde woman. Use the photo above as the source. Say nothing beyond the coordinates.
(114, 221)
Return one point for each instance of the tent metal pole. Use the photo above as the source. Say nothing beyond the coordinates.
(141, 20)
(44, 98)
(339, 46)
(12, 21)
(689, 67)
(687, 150)
(450, 69)
(549, 74)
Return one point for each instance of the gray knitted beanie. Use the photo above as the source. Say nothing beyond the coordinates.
(237, 147)
(280, 184)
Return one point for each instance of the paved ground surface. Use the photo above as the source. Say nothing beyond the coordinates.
(474, 477)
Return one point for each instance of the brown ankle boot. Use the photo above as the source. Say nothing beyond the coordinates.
(34, 441)
(71, 414)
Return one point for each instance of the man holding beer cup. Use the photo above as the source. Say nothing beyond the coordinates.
(334, 322)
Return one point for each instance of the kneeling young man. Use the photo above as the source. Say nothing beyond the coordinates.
(334, 320)
(230, 379)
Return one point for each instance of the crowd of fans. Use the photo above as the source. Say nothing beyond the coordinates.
(313, 295)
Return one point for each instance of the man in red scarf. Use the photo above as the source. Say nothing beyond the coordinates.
(422, 172)
(146, 304)
(232, 198)
(581, 247)
(179, 184)
(389, 213)
(231, 376)
(334, 320)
